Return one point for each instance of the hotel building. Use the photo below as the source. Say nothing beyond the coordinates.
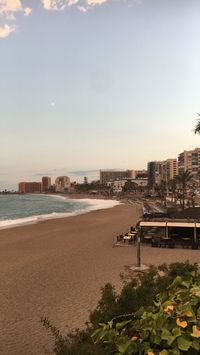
(46, 183)
(29, 187)
(62, 184)
(154, 169)
(113, 175)
(171, 169)
(189, 160)
(161, 170)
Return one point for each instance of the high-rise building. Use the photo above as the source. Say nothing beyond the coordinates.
(189, 160)
(62, 184)
(164, 170)
(171, 169)
(30, 187)
(113, 175)
(46, 183)
(155, 172)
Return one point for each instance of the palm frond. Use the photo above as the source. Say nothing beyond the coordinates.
(197, 127)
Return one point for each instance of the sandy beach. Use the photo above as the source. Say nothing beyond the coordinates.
(56, 269)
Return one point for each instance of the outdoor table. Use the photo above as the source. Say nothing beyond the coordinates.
(147, 239)
(186, 242)
(167, 242)
(127, 237)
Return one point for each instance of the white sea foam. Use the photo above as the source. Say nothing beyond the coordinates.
(93, 204)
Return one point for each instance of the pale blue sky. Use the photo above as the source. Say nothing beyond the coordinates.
(111, 87)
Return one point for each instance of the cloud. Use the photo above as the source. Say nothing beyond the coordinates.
(27, 11)
(54, 5)
(6, 30)
(82, 8)
(82, 5)
(10, 17)
(72, 2)
(52, 104)
(8, 11)
(84, 172)
(95, 2)
(7, 6)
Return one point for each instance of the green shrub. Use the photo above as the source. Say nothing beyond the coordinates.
(135, 306)
(169, 327)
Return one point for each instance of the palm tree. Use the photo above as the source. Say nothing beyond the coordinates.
(197, 127)
(162, 191)
(173, 188)
(183, 179)
(198, 176)
(130, 186)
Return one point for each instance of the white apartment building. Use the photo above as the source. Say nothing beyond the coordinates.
(170, 169)
(189, 160)
(62, 184)
(118, 185)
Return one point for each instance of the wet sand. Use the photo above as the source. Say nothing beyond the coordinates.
(56, 269)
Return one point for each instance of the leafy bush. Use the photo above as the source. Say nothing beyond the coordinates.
(169, 327)
(133, 321)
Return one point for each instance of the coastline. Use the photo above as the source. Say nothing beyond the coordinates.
(93, 204)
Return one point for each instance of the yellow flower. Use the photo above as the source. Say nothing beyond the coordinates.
(182, 324)
(195, 332)
(169, 309)
(134, 338)
(187, 314)
(151, 353)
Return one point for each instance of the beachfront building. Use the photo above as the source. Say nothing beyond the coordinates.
(171, 169)
(46, 183)
(113, 175)
(140, 182)
(29, 187)
(117, 186)
(62, 184)
(155, 172)
(139, 174)
(164, 170)
(189, 160)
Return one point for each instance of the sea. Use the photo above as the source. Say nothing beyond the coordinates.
(28, 209)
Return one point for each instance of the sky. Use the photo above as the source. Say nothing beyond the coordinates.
(96, 84)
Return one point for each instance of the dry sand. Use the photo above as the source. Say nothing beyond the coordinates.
(56, 268)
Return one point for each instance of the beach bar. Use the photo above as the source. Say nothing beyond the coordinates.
(174, 229)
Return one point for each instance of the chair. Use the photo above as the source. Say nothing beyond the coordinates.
(186, 242)
(119, 238)
(155, 242)
(131, 240)
(147, 239)
(167, 243)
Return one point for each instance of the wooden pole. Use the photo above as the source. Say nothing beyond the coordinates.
(195, 236)
(166, 231)
(138, 248)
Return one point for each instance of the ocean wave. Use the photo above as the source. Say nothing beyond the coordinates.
(93, 204)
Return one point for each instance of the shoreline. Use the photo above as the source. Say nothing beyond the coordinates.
(34, 219)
